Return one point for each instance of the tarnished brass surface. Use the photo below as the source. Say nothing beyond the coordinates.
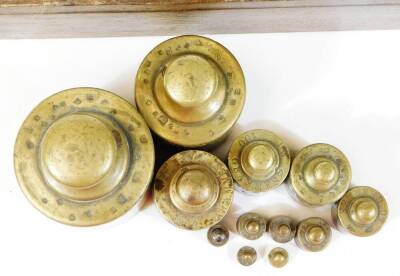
(190, 90)
(320, 174)
(313, 234)
(278, 257)
(193, 189)
(84, 156)
(259, 161)
(247, 255)
(218, 235)
(282, 228)
(251, 225)
(362, 211)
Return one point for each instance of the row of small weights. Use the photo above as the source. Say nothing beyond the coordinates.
(282, 230)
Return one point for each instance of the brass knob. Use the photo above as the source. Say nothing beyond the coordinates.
(193, 189)
(362, 211)
(320, 174)
(313, 234)
(251, 226)
(282, 228)
(278, 257)
(190, 90)
(259, 161)
(84, 156)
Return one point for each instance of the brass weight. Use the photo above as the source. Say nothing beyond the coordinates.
(247, 255)
(278, 257)
(282, 228)
(313, 234)
(84, 156)
(251, 225)
(362, 211)
(193, 189)
(320, 174)
(218, 235)
(259, 161)
(190, 90)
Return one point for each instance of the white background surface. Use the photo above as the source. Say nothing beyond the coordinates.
(342, 88)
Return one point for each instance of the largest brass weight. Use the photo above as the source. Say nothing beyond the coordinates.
(84, 156)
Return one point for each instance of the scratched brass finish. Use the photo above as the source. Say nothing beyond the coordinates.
(193, 189)
(278, 257)
(190, 90)
(218, 235)
(247, 255)
(84, 156)
(282, 228)
(313, 234)
(362, 211)
(251, 226)
(320, 174)
(259, 161)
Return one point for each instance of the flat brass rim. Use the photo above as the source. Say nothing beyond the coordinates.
(313, 234)
(251, 225)
(170, 99)
(362, 211)
(282, 228)
(320, 174)
(193, 189)
(84, 156)
(259, 161)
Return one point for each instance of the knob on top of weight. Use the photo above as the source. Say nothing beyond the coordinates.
(320, 174)
(84, 156)
(259, 161)
(190, 90)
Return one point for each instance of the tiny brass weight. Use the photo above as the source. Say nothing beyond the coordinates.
(259, 161)
(313, 234)
(218, 235)
(247, 255)
(251, 225)
(190, 90)
(362, 211)
(282, 228)
(84, 156)
(320, 174)
(193, 189)
(278, 257)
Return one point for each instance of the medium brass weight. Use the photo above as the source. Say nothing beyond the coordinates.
(85, 156)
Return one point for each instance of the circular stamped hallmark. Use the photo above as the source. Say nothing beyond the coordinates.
(313, 234)
(282, 228)
(84, 156)
(251, 225)
(259, 161)
(190, 90)
(278, 257)
(218, 235)
(320, 174)
(193, 189)
(247, 255)
(362, 211)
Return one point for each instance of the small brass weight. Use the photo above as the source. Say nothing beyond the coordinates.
(85, 156)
